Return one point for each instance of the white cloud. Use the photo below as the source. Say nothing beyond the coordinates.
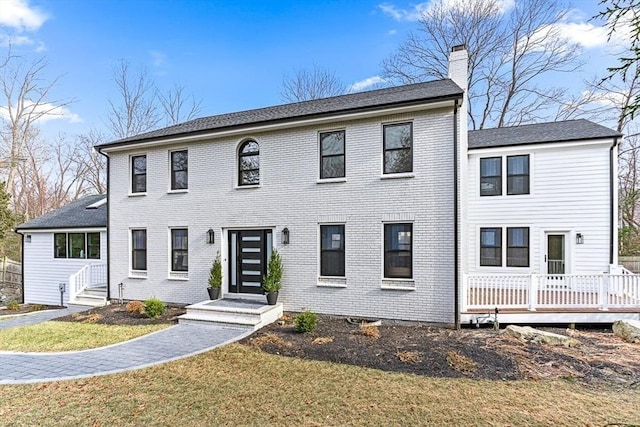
(366, 84)
(19, 15)
(391, 32)
(49, 112)
(416, 11)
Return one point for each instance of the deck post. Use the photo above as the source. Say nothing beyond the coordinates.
(533, 292)
(603, 296)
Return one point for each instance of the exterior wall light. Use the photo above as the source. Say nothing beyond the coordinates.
(285, 236)
(211, 236)
(579, 238)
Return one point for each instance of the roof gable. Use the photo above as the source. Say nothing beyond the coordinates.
(77, 214)
(570, 130)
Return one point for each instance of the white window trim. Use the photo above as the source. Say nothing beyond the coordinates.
(319, 160)
(137, 274)
(176, 275)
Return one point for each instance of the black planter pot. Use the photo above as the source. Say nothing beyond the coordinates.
(272, 298)
(214, 293)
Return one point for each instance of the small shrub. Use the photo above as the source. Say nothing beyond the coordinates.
(36, 307)
(13, 305)
(322, 340)
(370, 331)
(92, 318)
(306, 321)
(153, 307)
(135, 307)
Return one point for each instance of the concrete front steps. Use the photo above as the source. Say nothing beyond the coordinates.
(236, 313)
(92, 297)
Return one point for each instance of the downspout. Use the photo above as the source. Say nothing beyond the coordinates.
(613, 215)
(108, 229)
(456, 255)
(21, 265)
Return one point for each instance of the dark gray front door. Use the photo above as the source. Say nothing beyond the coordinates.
(248, 254)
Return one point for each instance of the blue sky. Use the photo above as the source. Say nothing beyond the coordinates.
(231, 54)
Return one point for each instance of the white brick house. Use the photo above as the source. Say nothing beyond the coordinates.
(377, 194)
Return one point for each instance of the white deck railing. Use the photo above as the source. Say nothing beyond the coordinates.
(91, 275)
(551, 291)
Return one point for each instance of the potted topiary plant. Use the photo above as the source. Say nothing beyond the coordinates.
(215, 278)
(272, 281)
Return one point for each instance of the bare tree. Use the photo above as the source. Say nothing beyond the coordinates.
(90, 163)
(311, 84)
(509, 52)
(177, 106)
(25, 99)
(137, 110)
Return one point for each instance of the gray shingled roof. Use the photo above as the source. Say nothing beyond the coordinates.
(73, 215)
(570, 130)
(362, 101)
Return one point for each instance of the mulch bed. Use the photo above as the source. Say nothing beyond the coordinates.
(468, 353)
(116, 314)
(28, 308)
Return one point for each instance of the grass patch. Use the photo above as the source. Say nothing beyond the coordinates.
(322, 340)
(251, 387)
(461, 363)
(408, 356)
(67, 336)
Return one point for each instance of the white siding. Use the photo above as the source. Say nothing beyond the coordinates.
(569, 192)
(43, 273)
(289, 196)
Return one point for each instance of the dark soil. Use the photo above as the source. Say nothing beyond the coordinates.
(468, 353)
(116, 314)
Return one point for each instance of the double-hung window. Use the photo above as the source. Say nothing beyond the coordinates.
(139, 249)
(179, 250)
(517, 246)
(493, 250)
(398, 251)
(179, 170)
(398, 148)
(332, 154)
(139, 174)
(332, 250)
(518, 174)
(491, 176)
(491, 247)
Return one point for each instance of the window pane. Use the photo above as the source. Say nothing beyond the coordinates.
(93, 245)
(250, 147)
(332, 143)
(491, 176)
(518, 165)
(518, 174)
(518, 247)
(179, 168)
(138, 174)
(60, 245)
(76, 245)
(332, 167)
(251, 177)
(139, 252)
(398, 252)
(491, 247)
(249, 163)
(398, 161)
(179, 245)
(332, 252)
(139, 164)
(518, 185)
(397, 136)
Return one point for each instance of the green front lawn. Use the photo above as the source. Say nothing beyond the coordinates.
(238, 385)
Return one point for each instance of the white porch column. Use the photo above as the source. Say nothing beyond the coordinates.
(603, 296)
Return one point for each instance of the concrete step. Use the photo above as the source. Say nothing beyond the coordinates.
(246, 314)
(99, 292)
(89, 300)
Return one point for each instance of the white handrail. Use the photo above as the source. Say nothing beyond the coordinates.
(90, 275)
